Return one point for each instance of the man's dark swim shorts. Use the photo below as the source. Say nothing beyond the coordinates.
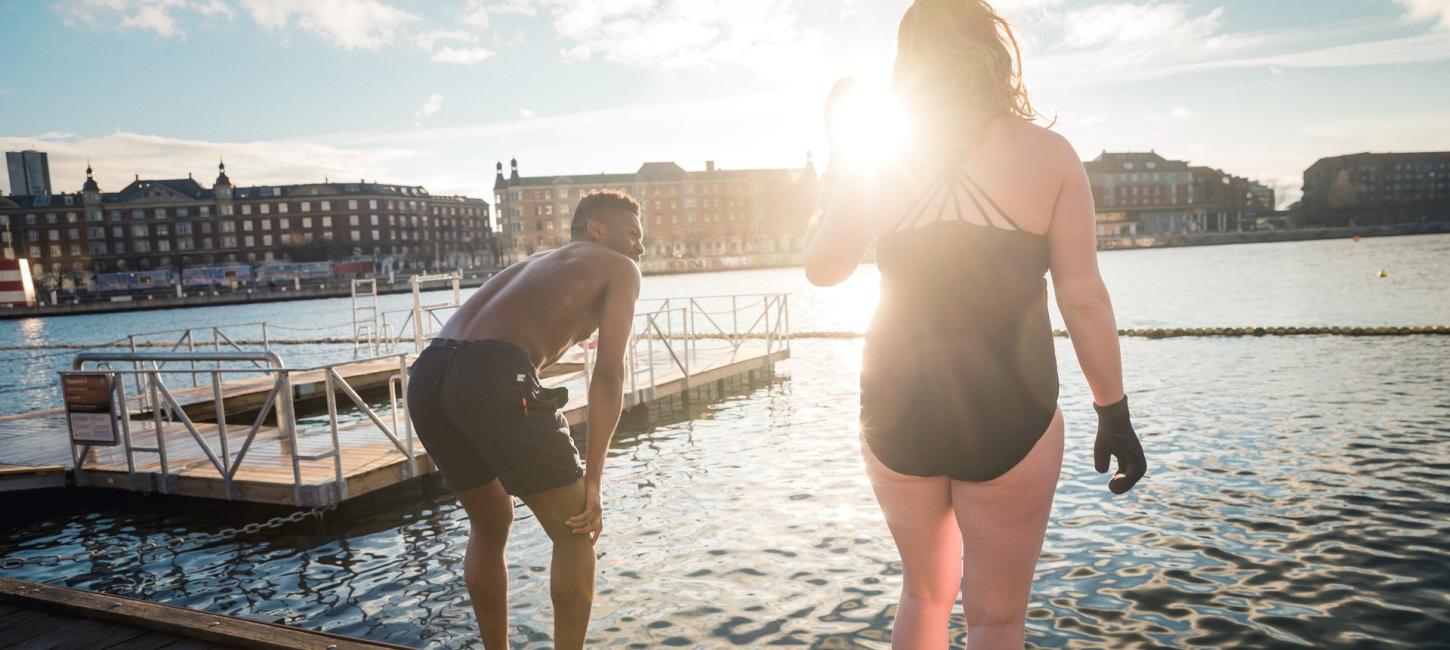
(482, 414)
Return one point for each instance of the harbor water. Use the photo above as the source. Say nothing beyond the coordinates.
(1294, 497)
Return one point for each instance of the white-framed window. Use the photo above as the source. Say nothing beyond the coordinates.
(182, 213)
(204, 211)
(160, 213)
(372, 204)
(163, 245)
(352, 220)
(249, 241)
(246, 208)
(327, 206)
(281, 208)
(163, 229)
(327, 222)
(306, 206)
(306, 222)
(227, 210)
(373, 219)
(352, 204)
(357, 235)
(247, 225)
(266, 240)
(183, 229)
(139, 230)
(265, 208)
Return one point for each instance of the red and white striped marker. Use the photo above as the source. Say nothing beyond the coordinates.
(16, 288)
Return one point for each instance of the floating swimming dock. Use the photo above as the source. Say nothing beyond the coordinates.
(34, 615)
(148, 419)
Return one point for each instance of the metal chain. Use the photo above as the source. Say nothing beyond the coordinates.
(174, 544)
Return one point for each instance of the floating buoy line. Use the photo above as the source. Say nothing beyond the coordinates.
(1147, 333)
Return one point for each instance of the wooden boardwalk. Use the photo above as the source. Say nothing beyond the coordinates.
(368, 459)
(34, 615)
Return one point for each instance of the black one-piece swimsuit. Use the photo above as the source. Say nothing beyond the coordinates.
(959, 376)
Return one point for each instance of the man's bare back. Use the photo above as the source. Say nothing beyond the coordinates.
(545, 304)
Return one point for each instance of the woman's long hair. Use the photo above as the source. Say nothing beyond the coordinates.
(957, 67)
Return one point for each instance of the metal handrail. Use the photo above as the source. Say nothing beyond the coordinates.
(671, 320)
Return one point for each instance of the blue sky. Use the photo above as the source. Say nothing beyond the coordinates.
(433, 93)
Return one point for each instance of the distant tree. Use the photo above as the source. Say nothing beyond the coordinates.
(317, 250)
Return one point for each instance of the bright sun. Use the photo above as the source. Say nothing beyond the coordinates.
(872, 126)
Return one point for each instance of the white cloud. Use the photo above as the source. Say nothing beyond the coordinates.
(1132, 33)
(1439, 10)
(1179, 113)
(526, 113)
(349, 24)
(1090, 120)
(426, 40)
(677, 34)
(478, 12)
(118, 157)
(434, 103)
(158, 16)
(466, 56)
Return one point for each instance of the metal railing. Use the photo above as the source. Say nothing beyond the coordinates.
(680, 325)
(670, 337)
(282, 397)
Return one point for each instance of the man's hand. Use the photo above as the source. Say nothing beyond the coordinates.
(1116, 438)
(590, 521)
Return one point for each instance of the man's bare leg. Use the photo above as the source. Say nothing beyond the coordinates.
(571, 575)
(490, 513)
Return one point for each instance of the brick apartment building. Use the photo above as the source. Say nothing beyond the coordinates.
(686, 214)
(1377, 189)
(1147, 194)
(178, 223)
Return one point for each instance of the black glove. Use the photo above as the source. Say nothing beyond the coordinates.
(1116, 438)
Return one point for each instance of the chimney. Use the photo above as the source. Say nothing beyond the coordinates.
(709, 166)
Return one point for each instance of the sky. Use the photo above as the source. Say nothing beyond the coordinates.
(435, 92)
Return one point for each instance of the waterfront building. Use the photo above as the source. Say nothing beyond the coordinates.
(686, 214)
(178, 223)
(29, 172)
(1377, 189)
(1144, 193)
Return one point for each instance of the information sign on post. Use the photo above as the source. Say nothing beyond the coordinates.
(88, 409)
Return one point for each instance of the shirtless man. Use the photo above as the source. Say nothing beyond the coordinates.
(476, 401)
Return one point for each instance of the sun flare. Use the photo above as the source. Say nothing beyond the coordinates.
(871, 125)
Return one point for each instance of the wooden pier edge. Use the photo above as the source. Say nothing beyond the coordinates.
(190, 623)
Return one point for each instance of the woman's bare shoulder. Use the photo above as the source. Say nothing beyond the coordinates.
(1045, 143)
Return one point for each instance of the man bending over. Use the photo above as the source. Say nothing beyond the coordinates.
(493, 430)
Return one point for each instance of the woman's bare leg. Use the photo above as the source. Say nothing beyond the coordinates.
(1003, 522)
(919, 513)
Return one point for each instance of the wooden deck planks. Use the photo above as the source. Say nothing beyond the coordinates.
(48, 616)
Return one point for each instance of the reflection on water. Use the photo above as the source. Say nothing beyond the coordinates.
(1295, 499)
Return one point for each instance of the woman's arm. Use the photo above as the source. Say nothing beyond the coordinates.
(1081, 295)
(1088, 312)
(837, 236)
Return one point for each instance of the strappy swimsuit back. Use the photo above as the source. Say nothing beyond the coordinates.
(959, 376)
